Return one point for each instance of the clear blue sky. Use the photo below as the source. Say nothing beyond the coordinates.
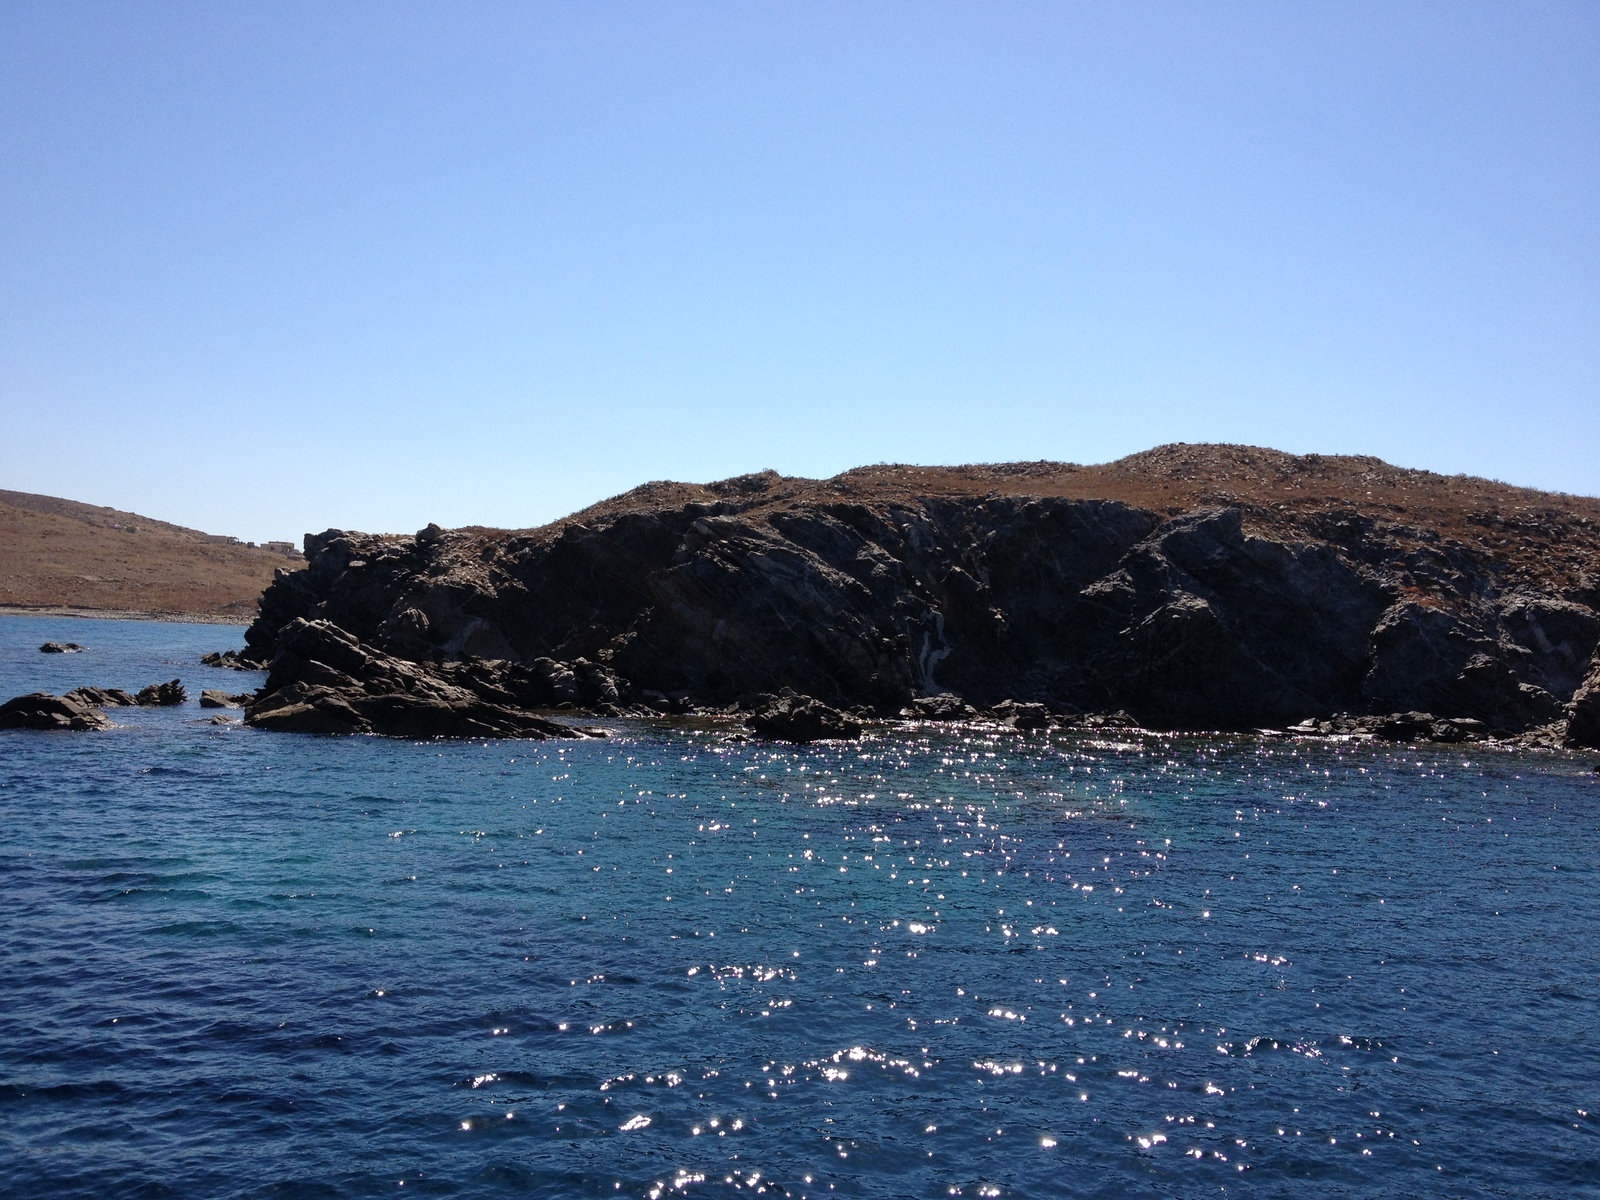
(273, 267)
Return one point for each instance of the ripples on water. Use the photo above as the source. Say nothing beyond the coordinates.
(674, 964)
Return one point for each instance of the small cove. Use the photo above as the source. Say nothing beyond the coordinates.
(675, 962)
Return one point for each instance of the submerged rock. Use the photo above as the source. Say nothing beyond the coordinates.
(61, 648)
(41, 710)
(802, 719)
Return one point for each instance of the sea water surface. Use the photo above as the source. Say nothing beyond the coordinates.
(942, 962)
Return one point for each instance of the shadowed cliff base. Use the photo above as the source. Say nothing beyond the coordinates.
(1200, 587)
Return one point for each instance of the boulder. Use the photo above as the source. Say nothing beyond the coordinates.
(1028, 717)
(302, 708)
(233, 659)
(61, 648)
(802, 719)
(1402, 727)
(161, 695)
(214, 698)
(543, 683)
(102, 697)
(1458, 729)
(1112, 720)
(41, 710)
(943, 707)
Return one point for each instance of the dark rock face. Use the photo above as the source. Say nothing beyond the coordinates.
(1583, 725)
(1220, 616)
(1426, 656)
(323, 680)
(215, 698)
(802, 719)
(161, 695)
(61, 648)
(40, 710)
(1202, 626)
(847, 603)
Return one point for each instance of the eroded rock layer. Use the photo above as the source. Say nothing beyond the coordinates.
(1194, 587)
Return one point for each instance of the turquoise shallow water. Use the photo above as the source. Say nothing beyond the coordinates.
(673, 964)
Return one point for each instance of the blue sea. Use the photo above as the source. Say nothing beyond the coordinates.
(940, 962)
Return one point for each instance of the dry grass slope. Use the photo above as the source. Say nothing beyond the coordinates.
(61, 554)
(1544, 539)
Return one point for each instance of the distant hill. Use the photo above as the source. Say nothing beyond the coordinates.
(59, 554)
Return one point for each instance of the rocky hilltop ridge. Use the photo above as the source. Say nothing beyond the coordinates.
(1203, 587)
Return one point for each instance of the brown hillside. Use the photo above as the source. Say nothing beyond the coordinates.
(58, 553)
(1547, 538)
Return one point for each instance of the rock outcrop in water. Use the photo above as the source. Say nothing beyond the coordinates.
(98, 697)
(802, 719)
(156, 695)
(323, 680)
(41, 710)
(1194, 587)
(1396, 727)
(233, 660)
(162, 695)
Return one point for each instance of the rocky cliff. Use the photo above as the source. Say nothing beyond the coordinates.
(1193, 586)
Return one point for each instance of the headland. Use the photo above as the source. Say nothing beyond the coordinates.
(1204, 587)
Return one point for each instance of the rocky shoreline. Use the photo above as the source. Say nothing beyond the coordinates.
(897, 591)
(1188, 589)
